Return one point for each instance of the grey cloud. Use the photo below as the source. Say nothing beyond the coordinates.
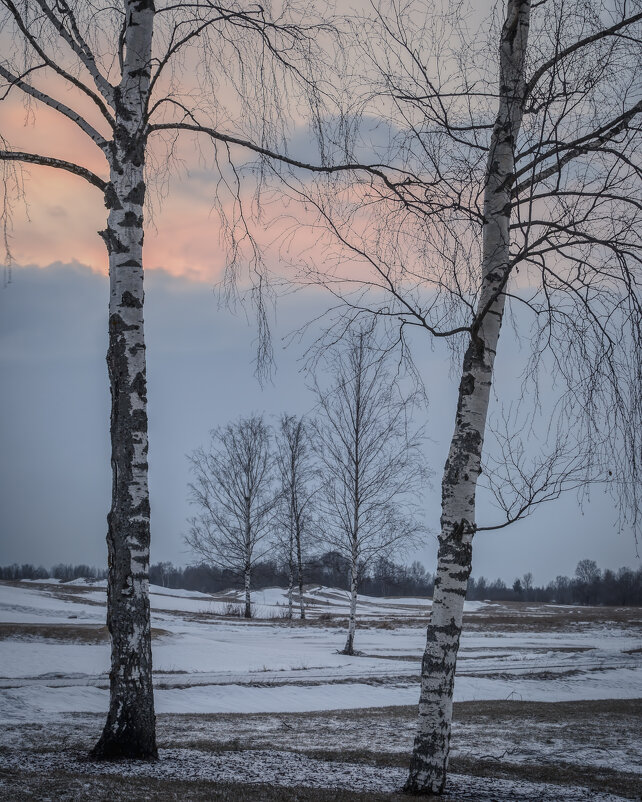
(54, 441)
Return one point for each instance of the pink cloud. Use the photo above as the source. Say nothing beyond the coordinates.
(62, 214)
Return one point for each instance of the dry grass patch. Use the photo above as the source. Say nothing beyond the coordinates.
(68, 633)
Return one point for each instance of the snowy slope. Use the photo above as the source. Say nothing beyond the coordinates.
(205, 663)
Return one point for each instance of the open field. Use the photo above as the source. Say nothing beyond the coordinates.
(547, 699)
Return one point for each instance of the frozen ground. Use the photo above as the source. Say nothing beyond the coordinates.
(502, 751)
(289, 769)
(54, 658)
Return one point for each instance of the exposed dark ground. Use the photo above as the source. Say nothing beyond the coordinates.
(362, 741)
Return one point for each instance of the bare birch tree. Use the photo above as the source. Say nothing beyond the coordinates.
(514, 182)
(371, 459)
(234, 491)
(133, 76)
(299, 480)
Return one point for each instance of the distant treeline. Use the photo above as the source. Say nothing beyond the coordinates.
(329, 569)
(60, 571)
(590, 585)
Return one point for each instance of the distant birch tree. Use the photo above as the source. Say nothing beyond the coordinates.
(371, 461)
(135, 76)
(298, 477)
(236, 496)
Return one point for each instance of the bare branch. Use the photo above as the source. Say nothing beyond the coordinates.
(53, 63)
(78, 44)
(581, 43)
(61, 164)
(43, 97)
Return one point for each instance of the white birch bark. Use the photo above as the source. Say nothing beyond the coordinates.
(299, 564)
(247, 573)
(291, 570)
(430, 754)
(354, 556)
(248, 597)
(130, 728)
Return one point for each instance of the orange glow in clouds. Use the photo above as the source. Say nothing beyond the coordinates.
(60, 215)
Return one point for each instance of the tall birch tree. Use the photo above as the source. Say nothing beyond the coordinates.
(513, 182)
(234, 491)
(371, 461)
(133, 76)
(463, 466)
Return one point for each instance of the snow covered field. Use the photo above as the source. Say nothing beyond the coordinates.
(205, 663)
(54, 659)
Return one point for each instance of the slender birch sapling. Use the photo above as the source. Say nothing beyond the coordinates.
(235, 494)
(371, 461)
(298, 476)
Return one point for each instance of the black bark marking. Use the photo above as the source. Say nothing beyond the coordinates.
(139, 420)
(111, 198)
(467, 385)
(471, 441)
(131, 220)
(113, 243)
(117, 325)
(458, 592)
(495, 276)
(142, 508)
(142, 72)
(137, 194)
(139, 386)
(130, 300)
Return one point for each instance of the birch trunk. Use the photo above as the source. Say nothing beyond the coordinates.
(130, 728)
(248, 598)
(352, 624)
(299, 565)
(291, 576)
(430, 754)
(349, 647)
